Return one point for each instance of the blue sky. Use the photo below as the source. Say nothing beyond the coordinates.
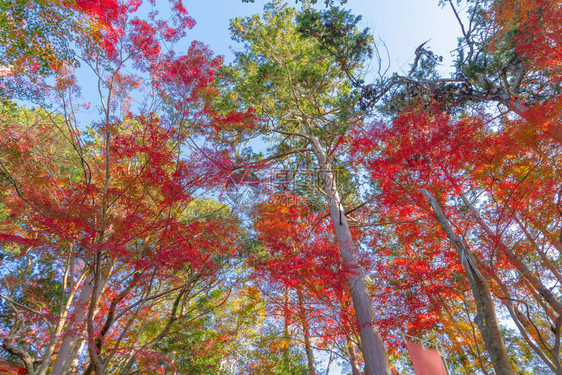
(401, 24)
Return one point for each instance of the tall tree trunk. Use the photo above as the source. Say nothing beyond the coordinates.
(76, 350)
(306, 334)
(524, 325)
(353, 358)
(372, 345)
(75, 332)
(486, 318)
(543, 291)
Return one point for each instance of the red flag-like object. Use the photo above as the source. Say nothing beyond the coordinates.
(426, 361)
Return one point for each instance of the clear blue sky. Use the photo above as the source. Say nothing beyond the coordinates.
(401, 24)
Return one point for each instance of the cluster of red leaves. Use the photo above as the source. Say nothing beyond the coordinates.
(114, 17)
(297, 254)
(416, 268)
(147, 179)
(7, 369)
(233, 120)
(187, 78)
(421, 148)
(414, 279)
(538, 25)
(302, 257)
(512, 166)
(107, 12)
(143, 39)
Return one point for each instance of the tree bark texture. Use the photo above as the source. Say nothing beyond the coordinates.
(372, 346)
(486, 318)
(306, 334)
(74, 337)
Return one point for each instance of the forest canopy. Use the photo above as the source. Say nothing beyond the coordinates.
(288, 212)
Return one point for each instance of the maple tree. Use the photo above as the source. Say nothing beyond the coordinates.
(443, 159)
(145, 247)
(97, 226)
(300, 258)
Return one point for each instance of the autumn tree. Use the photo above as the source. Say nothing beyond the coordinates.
(296, 255)
(99, 229)
(501, 60)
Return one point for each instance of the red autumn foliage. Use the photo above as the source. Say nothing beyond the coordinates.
(538, 32)
(300, 257)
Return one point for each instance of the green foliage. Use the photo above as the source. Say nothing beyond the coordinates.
(207, 209)
(337, 31)
(273, 352)
(38, 32)
(280, 74)
(195, 338)
(292, 82)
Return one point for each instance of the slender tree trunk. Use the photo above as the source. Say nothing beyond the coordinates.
(7, 344)
(127, 368)
(543, 291)
(353, 358)
(372, 345)
(75, 333)
(524, 325)
(306, 334)
(170, 369)
(486, 317)
(330, 359)
(76, 350)
(286, 335)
